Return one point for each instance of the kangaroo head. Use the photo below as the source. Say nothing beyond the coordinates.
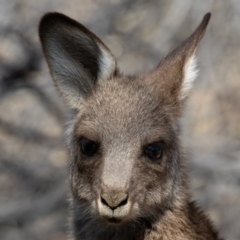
(126, 158)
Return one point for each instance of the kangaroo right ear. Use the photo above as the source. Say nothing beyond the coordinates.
(77, 59)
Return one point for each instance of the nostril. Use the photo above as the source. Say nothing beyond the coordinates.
(123, 202)
(114, 200)
(104, 201)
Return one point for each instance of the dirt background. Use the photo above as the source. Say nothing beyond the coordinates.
(33, 162)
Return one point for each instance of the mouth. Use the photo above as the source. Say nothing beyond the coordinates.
(114, 221)
(114, 217)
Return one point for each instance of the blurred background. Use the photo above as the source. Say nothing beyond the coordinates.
(33, 162)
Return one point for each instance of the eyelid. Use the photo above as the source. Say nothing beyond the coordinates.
(88, 137)
(162, 142)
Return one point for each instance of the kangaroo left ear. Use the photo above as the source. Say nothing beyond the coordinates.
(77, 58)
(178, 70)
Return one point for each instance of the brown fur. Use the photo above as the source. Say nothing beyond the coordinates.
(122, 115)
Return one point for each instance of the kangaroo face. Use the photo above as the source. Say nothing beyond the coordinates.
(125, 157)
(125, 151)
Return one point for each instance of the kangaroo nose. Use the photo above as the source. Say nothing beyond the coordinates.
(114, 199)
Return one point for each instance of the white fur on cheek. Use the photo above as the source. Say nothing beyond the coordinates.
(190, 74)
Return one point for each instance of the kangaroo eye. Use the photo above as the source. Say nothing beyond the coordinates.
(88, 147)
(154, 150)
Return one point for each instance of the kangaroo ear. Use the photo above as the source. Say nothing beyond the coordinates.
(178, 70)
(77, 59)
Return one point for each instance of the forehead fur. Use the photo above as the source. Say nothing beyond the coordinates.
(125, 104)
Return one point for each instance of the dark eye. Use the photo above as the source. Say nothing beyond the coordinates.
(88, 147)
(154, 150)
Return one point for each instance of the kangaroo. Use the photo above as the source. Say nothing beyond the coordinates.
(128, 176)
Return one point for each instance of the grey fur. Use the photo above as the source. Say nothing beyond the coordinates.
(123, 114)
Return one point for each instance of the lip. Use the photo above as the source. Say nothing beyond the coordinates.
(114, 221)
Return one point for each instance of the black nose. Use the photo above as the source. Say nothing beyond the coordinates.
(114, 199)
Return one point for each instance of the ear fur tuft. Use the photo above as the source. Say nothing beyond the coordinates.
(189, 76)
